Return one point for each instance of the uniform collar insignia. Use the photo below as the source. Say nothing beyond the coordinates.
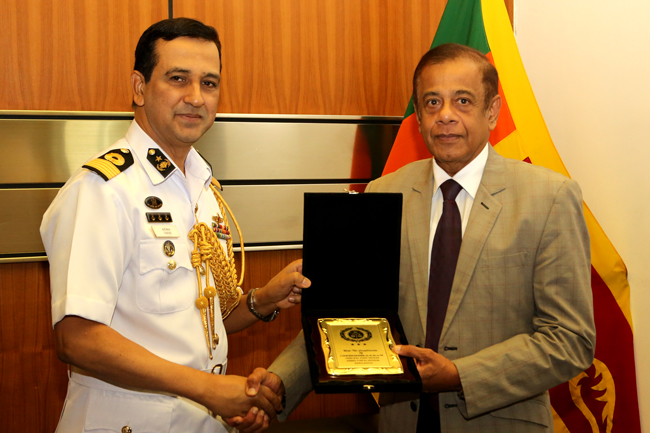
(160, 162)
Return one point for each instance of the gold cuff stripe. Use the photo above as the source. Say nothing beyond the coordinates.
(108, 168)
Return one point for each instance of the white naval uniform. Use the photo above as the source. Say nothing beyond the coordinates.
(107, 265)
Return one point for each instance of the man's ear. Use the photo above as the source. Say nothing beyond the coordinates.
(493, 111)
(418, 117)
(137, 86)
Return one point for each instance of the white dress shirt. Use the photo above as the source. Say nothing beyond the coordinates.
(469, 177)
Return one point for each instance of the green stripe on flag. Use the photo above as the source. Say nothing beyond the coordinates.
(461, 23)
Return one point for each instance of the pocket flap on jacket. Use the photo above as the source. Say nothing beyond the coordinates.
(152, 256)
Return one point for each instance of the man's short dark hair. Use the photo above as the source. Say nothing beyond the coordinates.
(146, 57)
(446, 52)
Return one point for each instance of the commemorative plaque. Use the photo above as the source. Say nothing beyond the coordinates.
(358, 346)
(351, 251)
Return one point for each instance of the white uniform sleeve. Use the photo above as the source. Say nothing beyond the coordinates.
(88, 236)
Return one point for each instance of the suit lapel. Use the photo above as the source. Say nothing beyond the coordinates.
(418, 226)
(485, 210)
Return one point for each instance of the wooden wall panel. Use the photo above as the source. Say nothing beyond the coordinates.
(71, 54)
(351, 57)
(33, 382)
(326, 57)
(510, 6)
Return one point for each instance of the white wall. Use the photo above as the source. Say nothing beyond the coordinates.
(589, 65)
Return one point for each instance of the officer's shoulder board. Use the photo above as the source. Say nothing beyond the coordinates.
(111, 163)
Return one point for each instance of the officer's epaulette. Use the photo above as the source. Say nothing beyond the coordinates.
(111, 163)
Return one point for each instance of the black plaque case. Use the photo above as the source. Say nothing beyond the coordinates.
(351, 254)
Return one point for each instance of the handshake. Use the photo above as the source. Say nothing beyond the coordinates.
(251, 410)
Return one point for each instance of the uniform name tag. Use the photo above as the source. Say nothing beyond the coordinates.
(166, 231)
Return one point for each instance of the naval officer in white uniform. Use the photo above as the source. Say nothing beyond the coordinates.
(129, 289)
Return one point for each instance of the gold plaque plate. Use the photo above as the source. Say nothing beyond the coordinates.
(358, 346)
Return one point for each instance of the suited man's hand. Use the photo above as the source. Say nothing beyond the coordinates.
(437, 372)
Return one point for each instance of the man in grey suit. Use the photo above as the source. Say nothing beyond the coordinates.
(519, 316)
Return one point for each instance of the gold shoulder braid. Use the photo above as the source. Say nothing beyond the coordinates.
(209, 254)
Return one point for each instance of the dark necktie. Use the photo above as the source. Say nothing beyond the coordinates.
(444, 256)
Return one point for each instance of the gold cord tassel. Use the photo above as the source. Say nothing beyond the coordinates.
(202, 305)
(210, 292)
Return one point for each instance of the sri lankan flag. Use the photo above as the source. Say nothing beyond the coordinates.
(604, 397)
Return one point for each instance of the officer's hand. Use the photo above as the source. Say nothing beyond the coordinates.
(227, 396)
(437, 372)
(252, 422)
(284, 290)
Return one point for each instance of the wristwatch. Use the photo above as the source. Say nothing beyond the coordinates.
(251, 307)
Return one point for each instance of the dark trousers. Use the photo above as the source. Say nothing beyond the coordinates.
(429, 416)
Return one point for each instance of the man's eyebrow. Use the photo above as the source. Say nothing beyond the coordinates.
(177, 70)
(213, 75)
(464, 92)
(430, 93)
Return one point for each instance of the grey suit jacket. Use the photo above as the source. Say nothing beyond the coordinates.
(520, 315)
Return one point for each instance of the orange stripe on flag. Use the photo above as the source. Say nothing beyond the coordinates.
(408, 147)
